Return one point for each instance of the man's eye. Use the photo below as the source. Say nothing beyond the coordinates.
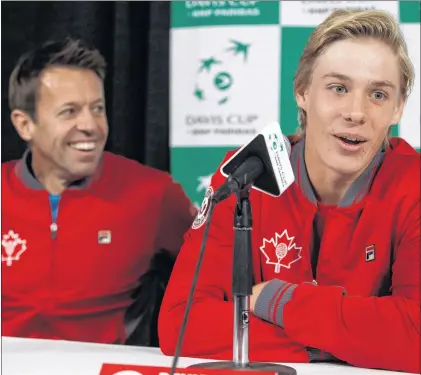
(99, 108)
(68, 112)
(379, 95)
(338, 89)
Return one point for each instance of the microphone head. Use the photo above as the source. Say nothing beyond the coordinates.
(273, 148)
(287, 145)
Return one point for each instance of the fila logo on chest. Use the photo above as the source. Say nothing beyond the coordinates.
(104, 237)
(370, 253)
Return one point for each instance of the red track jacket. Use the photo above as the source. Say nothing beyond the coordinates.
(365, 309)
(74, 280)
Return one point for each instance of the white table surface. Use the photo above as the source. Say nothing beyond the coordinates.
(51, 357)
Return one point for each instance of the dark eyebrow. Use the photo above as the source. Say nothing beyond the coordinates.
(99, 100)
(343, 77)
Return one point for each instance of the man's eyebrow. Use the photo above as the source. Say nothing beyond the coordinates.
(344, 77)
(99, 100)
(383, 84)
(68, 104)
(340, 76)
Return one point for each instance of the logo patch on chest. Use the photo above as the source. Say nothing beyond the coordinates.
(281, 251)
(12, 247)
(104, 237)
(370, 253)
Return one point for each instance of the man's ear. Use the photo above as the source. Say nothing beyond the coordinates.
(397, 114)
(23, 124)
(301, 100)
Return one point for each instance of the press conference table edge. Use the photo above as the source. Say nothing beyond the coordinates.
(23, 356)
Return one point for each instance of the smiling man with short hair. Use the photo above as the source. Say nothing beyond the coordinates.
(79, 225)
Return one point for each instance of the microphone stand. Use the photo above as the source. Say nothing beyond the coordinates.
(242, 286)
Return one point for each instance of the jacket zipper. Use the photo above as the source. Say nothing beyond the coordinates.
(311, 247)
(53, 234)
(54, 220)
(53, 230)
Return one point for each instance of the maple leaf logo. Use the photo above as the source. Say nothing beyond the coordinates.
(281, 251)
(12, 247)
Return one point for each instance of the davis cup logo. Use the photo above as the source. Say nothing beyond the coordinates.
(275, 143)
(281, 251)
(213, 80)
(204, 209)
(12, 247)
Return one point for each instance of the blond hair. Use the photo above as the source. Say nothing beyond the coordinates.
(346, 24)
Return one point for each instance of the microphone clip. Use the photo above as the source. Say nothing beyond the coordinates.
(241, 195)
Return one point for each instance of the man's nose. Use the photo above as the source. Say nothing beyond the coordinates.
(356, 109)
(86, 121)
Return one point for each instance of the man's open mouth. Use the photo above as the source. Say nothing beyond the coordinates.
(83, 146)
(351, 140)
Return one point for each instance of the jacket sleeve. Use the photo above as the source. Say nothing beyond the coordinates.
(372, 332)
(209, 331)
(176, 217)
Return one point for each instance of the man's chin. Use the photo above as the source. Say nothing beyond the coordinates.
(348, 168)
(83, 172)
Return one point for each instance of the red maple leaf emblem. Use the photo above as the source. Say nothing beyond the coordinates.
(281, 251)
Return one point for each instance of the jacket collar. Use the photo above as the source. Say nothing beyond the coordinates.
(355, 193)
(25, 173)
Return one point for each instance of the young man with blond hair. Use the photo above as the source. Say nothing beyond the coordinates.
(348, 288)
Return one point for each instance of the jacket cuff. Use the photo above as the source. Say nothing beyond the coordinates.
(316, 355)
(272, 299)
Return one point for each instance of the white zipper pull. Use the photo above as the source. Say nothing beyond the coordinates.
(53, 229)
(315, 282)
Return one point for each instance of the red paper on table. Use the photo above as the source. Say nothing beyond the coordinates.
(120, 369)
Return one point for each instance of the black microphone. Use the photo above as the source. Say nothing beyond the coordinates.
(263, 163)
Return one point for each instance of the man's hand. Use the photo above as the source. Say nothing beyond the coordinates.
(257, 289)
